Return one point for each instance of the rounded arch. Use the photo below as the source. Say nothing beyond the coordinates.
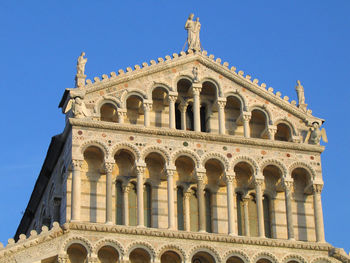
(94, 143)
(194, 156)
(293, 257)
(265, 110)
(239, 97)
(321, 260)
(265, 255)
(106, 99)
(130, 92)
(288, 123)
(156, 149)
(217, 156)
(144, 245)
(179, 77)
(236, 253)
(126, 146)
(164, 86)
(174, 248)
(278, 164)
(76, 240)
(204, 248)
(109, 242)
(219, 91)
(246, 159)
(307, 167)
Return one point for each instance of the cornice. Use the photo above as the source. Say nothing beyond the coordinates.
(196, 135)
(208, 61)
(211, 237)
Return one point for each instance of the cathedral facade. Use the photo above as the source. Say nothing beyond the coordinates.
(182, 159)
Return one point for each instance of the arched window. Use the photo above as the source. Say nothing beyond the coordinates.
(77, 253)
(170, 257)
(234, 259)
(208, 211)
(180, 208)
(119, 203)
(204, 118)
(93, 162)
(267, 216)
(258, 124)
(139, 255)
(160, 108)
(202, 257)
(208, 113)
(147, 205)
(132, 205)
(108, 254)
(263, 260)
(183, 89)
(233, 109)
(135, 111)
(194, 211)
(283, 133)
(108, 112)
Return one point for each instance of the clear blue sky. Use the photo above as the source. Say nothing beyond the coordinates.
(277, 42)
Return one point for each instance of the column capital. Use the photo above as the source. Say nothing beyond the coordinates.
(108, 167)
(172, 98)
(288, 184)
(170, 172)
(200, 175)
(229, 177)
(245, 200)
(121, 112)
(77, 164)
(272, 129)
(221, 102)
(246, 116)
(140, 169)
(147, 106)
(317, 188)
(196, 88)
(126, 188)
(258, 182)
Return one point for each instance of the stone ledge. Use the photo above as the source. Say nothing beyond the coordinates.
(197, 135)
(196, 236)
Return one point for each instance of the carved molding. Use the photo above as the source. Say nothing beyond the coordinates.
(197, 135)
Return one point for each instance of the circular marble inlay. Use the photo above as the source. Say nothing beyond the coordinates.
(311, 157)
(288, 155)
(80, 132)
(185, 144)
(263, 152)
(159, 141)
(131, 138)
(224, 148)
(229, 155)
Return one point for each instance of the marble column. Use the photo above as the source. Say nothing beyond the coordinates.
(246, 118)
(318, 214)
(221, 111)
(183, 108)
(109, 186)
(287, 193)
(121, 115)
(147, 108)
(126, 190)
(201, 201)
(246, 216)
(196, 89)
(187, 223)
(259, 206)
(140, 213)
(76, 190)
(230, 204)
(171, 206)
(172, 120)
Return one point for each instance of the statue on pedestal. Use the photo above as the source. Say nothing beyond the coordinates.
(193, 28)
(78, 108)
(81, 64)
(315, 134)
(301, 97)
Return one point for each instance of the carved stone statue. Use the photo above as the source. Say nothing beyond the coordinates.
(81, 64)
(78, 108)
(193, 28)
(300, 92)
(195, 75)
(315, 134)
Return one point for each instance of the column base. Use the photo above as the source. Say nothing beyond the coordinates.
(140, 226)
(109, 223)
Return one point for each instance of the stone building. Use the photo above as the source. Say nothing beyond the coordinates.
(182, 159)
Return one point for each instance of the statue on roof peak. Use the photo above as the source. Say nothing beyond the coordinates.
(193, 28)
(81, 64)
(301, 97)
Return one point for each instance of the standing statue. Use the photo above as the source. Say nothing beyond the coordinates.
(300, 92)
(195, 75)
(81, 64)
(193, 28)
(315, 134)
